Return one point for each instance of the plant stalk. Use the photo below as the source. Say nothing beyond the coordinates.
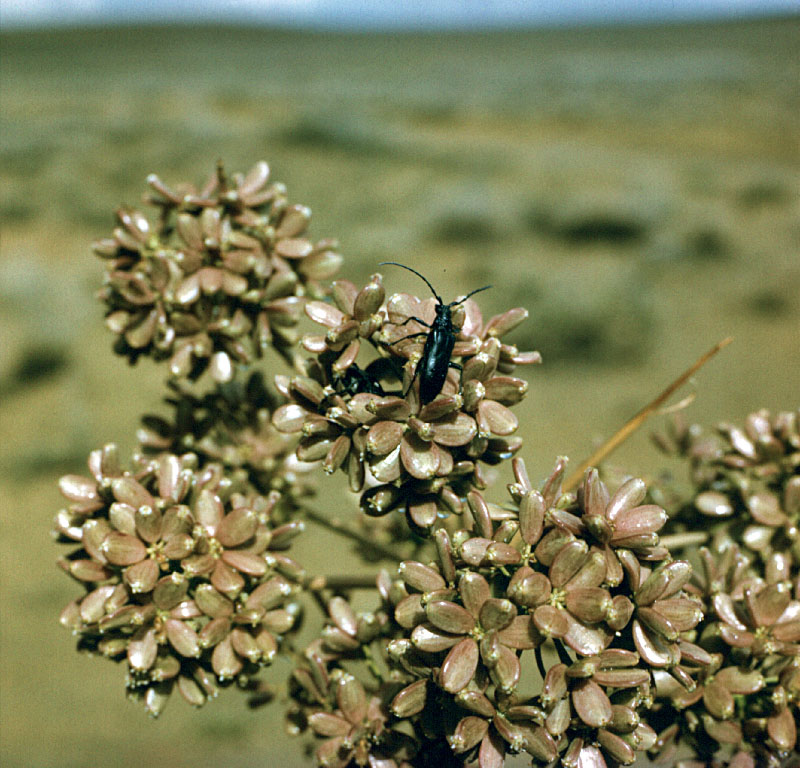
(634, 423)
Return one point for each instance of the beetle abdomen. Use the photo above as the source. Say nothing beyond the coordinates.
(434, 364)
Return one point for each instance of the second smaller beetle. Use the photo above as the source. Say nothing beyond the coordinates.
(439, 342)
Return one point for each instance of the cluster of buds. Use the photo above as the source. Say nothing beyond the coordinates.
(574, 586)
(397, 451)
(219, 278)
(354, 726)
(185, 575)
(230, 425)
(746, 482)
(746, 478)
(576, 577)
(748, 685)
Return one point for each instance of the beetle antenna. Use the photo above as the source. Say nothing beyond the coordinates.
(471, 293)
(436, 295)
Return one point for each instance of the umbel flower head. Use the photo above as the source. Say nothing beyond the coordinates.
(559, 587)
(354, 726)
(370, 422)
(230, 425)
(219, 278)
(747, 686)
(576, 587)
(185, 575)
(747, 486)
(746, 478)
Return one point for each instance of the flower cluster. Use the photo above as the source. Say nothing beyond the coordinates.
(747, 686)
(396, 450)
(185, 575)
(218, 279)
(748, 482)
(354, 725)
(747, 478)
(560, 574)
(576, 586)
(230, 425)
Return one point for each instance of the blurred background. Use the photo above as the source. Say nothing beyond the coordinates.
(628, 172)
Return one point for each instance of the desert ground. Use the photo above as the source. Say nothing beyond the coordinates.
(636, 189)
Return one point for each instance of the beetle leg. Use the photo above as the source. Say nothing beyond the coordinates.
(412, 336)
(413, 379)
(457, 366)
(409, 319)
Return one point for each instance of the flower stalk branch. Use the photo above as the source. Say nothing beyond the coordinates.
(636, 421)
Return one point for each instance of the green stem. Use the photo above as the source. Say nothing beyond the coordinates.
(339, 583)
(371, 664)
(685, 539)
(334, 525)
(319, 598)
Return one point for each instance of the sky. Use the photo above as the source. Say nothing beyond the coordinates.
(390, 14)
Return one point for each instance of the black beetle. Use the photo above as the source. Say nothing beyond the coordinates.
(439, 342)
